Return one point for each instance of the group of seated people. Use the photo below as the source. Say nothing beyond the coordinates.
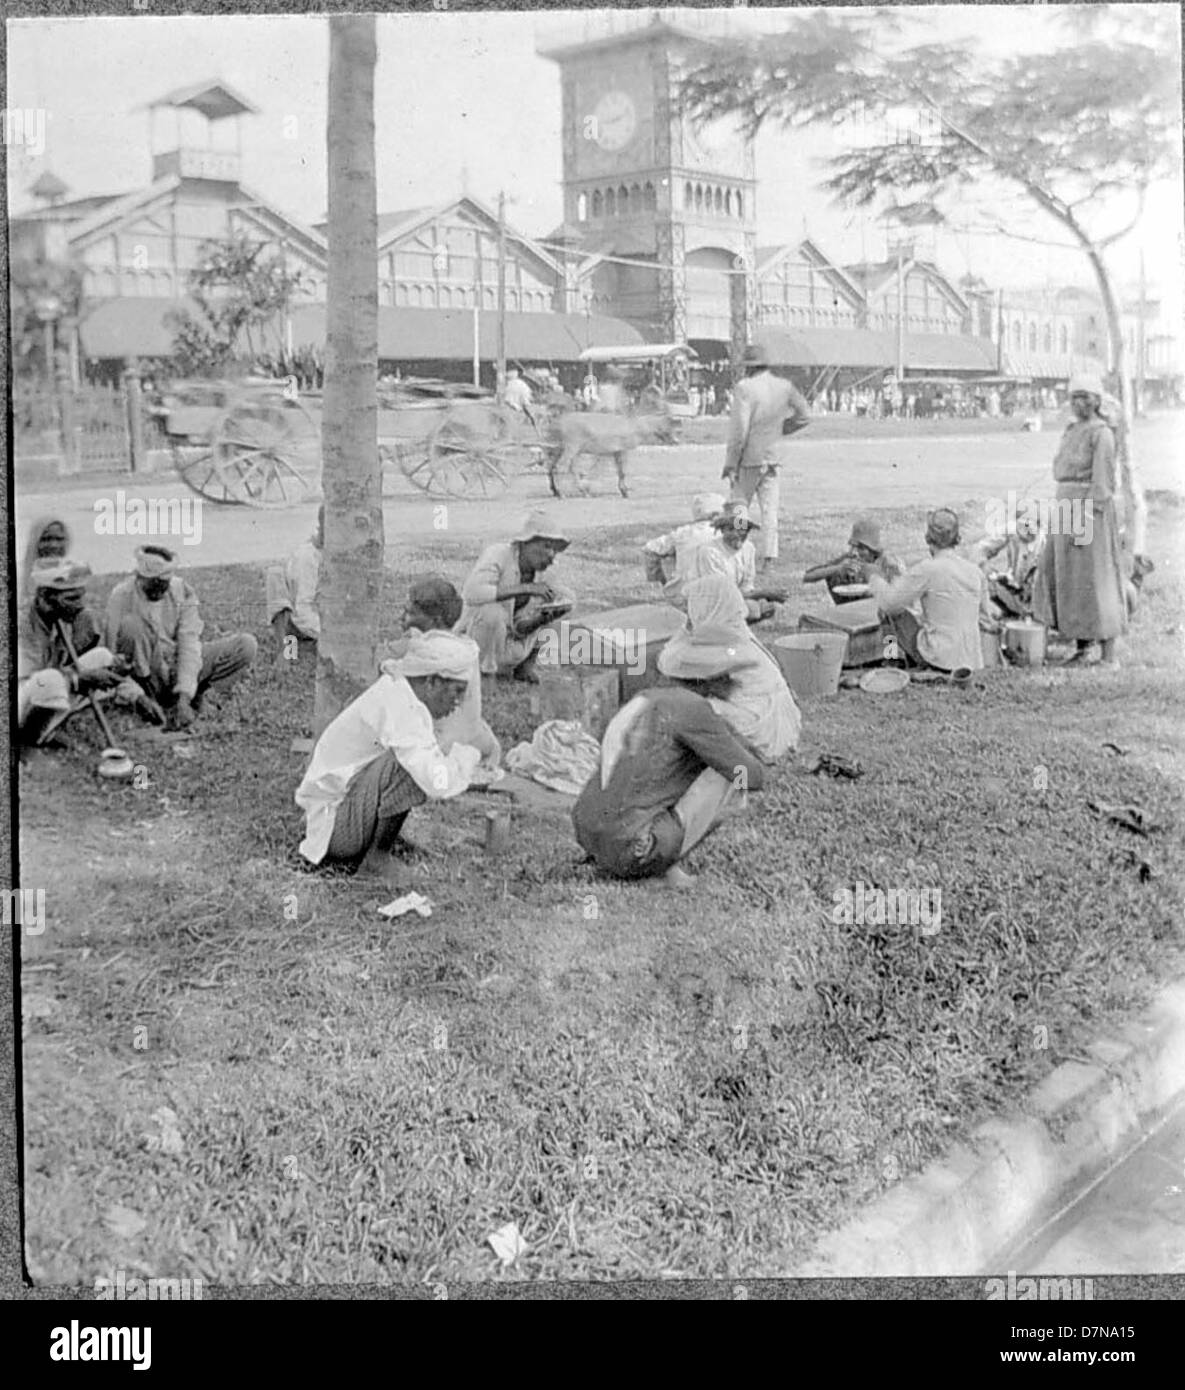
(146, 652)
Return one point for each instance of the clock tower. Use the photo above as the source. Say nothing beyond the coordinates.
(675, 204)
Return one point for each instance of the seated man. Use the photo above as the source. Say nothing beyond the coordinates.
(667, 556)
(671, 770)
(433, 605)
(953, 598)
(380, 757)
(733, 553)
(864, 557)
(506, 605)
(153, 622)
(1010, 563)
(292, 592)
(46, 674)
(49, 539)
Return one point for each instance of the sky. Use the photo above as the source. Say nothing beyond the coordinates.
(463, 101)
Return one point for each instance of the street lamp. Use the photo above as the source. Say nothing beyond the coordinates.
(48, 308)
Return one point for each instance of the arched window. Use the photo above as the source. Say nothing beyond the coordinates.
(740, 203)
(444, 298)
(623, 201)
(610, 203)
(582, 207)
(699, 197)
(596, 203)
(649, 197)
(1063, 339)
(1047, 338)
(489, 298)
(688, 196)
(512, 300)
(1016, 332)
(719, 200)
(400, 294)
(1032, 337)
(636, 198)
(728, 202)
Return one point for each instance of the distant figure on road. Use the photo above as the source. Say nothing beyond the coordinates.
(517, 394)
(762, 403)
(611, 397)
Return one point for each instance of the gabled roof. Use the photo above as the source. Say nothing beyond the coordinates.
(875, 275)
(214, 98)
(474, 208)
(69, 210)
(769, 257)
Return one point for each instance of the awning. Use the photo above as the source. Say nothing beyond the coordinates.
(135, 327)
(438, 335)
(1048, 366)
(871, 348)
(648, 352)
(130, 327)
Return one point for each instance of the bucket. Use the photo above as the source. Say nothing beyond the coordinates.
(1023, 642)
(989, 644)
(811, 661)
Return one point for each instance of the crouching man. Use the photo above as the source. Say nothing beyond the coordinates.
(47, 677)
(671, 770)
(506, 604)
(380, 758)
(154, 624)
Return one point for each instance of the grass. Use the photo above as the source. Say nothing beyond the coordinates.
(648, 1086)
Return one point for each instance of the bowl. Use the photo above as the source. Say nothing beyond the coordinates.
(885, 680)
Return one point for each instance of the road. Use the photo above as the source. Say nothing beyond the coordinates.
(818, 475)
(1132, 1222)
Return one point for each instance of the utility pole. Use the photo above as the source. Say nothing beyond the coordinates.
(1141, 339)
(900, 312)
(501, 366)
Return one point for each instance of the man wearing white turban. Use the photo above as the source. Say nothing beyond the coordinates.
(380, 757)
(154, 623)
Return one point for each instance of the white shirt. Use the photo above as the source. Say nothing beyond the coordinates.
(302, 571)
(386, 716)
(714, 557)
(517, 394)
(953, 597)
(680, 543)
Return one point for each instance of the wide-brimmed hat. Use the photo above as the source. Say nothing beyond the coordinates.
(706, 505)
(1087, 384)
(866, 532)
(942, 528)
(540, 525)
(58, 576)
(702, 657)
(735, 517)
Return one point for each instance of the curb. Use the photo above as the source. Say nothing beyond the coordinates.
(962, 1213)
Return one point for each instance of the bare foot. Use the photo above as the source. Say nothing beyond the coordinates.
(675, 877)
(380, 865)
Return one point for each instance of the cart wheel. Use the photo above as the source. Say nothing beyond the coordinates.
(469, 455)
(266, 455)
(415, 463)
(197, 467)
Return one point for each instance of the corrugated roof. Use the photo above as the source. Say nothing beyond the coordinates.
(865, 347)
(136, 327)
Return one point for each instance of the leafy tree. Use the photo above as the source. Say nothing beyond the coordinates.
(240, 289)
(1065, 133)
(31, 281)
(352, 565)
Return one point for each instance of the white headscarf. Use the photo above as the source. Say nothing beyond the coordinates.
(435, 653)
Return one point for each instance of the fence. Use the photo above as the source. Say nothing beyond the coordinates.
(80, 429)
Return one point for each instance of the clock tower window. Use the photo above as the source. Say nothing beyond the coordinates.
(596, 203)
(610, 203)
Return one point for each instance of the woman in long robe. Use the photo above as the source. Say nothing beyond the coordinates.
(1080, 586)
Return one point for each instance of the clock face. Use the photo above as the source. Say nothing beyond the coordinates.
(616, 121)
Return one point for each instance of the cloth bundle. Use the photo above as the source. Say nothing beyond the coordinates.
(561, 755)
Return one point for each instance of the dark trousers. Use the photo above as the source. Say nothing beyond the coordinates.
(376, 804)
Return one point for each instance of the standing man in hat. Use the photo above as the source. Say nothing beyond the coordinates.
(671, 770)
(950, 593)
(505, 602)
(153, 621)
(380, 757)
(1080, 588)
(46, 675)
(764, 408)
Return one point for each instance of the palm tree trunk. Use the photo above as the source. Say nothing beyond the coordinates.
(352, 564)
